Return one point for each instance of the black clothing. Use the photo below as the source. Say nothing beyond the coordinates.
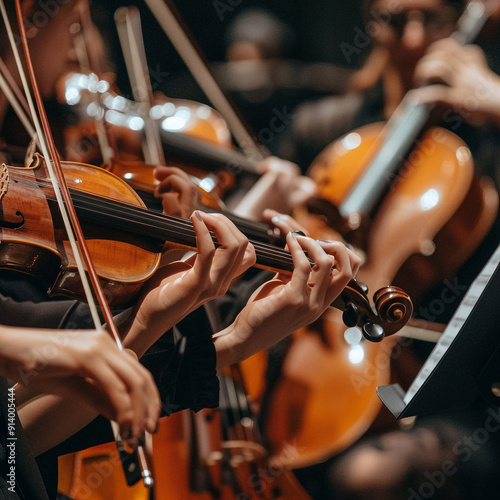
(19, 475)
(184, 367)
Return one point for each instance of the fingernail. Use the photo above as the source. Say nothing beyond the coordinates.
(300, 233)
(198, 215)
(131, 442)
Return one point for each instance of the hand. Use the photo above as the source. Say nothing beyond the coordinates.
(181, 287)
(179, 194)
(292, 187)
(284, 304)
(461, 79)
(285, 223)
(280, 188)
(86, 364)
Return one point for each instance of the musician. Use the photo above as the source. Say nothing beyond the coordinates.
(275, 310)
(411, 48)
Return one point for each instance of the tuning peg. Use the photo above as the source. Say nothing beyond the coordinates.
(373, 332)
(351, 315)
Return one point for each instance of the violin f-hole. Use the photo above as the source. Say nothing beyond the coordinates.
(13, 225)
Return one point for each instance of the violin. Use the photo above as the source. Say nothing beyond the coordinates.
(134, 238)
(126, 241)
(405, 195)
(193, 135)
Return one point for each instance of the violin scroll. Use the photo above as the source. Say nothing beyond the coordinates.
(394, 306)
(391, 310)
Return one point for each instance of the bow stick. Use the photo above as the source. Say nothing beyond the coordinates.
(129, 29)
(68, 213)
(170, 21)
(89, 57)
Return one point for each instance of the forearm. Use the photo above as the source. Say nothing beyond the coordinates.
(59, 417)
(18, 359)
(239, 340)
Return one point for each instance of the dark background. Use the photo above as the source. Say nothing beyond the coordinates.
(320, 26)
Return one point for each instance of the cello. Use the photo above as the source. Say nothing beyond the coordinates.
(388, 198)
(136, 236)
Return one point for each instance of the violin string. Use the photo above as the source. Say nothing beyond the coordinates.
(245, 410)
(158, 225)
(156, 221)
(182, 228)
(226, 420)
(248, 401)
(234, 404)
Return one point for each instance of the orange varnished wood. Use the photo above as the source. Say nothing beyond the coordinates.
(429, 222)
(122, 261)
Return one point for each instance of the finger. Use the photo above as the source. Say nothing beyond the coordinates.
(278, 165)
(128, 385)
(302, 190)
(151, 395)
(115, 401)
(171, 204)
(143, 393)
(435, 70)
(434, 94)
(205, 247)
(302, 265)
(188, 193)
(233, 254)
(321, 272)
(162, 172)
(344, 260)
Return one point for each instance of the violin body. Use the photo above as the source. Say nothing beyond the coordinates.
(172, 116)
(434, 215)
(33, 239)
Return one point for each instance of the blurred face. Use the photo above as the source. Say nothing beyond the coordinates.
(408, 27)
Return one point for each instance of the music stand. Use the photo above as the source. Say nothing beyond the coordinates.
(465, 363)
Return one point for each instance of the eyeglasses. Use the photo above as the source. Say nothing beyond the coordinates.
(432, 20)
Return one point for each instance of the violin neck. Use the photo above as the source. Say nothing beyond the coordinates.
(188, 151)
(163, 228)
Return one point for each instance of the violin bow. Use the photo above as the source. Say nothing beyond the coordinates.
(170, 20)
(16, 100)
(68, 213)
(88, 57)
(128, 25)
